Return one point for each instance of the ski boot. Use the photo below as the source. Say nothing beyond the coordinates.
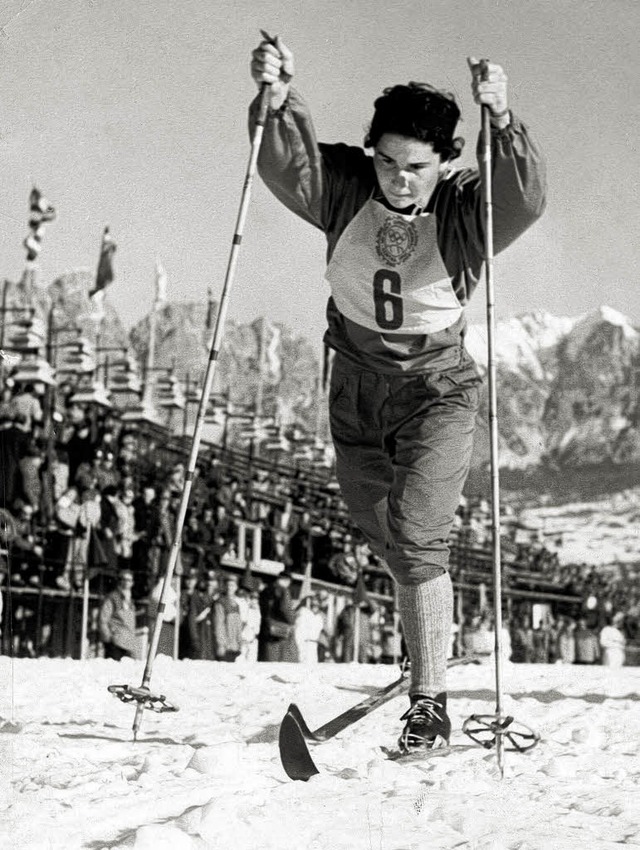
(428, 726)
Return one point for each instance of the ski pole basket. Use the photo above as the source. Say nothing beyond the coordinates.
(486, 729)
(142, 697)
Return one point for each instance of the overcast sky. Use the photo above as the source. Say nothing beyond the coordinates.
(132, 113)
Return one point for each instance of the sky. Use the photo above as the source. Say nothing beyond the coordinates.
(134, 115)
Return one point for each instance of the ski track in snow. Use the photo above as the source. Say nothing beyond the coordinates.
(209, 776)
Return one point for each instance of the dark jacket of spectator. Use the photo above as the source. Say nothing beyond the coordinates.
(276, 641)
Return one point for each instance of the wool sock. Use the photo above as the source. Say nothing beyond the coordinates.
(426, 611)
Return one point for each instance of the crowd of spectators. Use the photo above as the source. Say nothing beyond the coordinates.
(90, 502)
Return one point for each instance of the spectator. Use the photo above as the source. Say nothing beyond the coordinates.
(85, 555)
(613, 642)
(30, 463)
(478, 636)
(167, 633)
(126, 527)
(147, 523)
(26, 405)
(541, 644)
(308, 626)
(106, 473)
(13, 445)
(250, 614)
(79, 447)
(566, 641)
(346, 633)
(117, 621)
(201, 611)
(109, 528)
(228, 622)
(277, 641)
(192, 549)
(26, 552)
(189, 587)
(587, 644)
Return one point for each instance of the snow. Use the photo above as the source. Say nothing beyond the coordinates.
(209, 776)
(520, 341)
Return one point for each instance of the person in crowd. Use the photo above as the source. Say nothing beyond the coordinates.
(66, 513)
(478, 636)
(27, 406)
(249, 601)
(108, 530)
(566, 641)
(86, 477)
(228, 621)
(192, 551)
(106, 473)
(13, 447)
(276, 640)
(405, 250)
(307, 630)
(613, 642)
(343, 565)
(126, 527)
(80, 446)
(26, 553)
(587, 644)
(147, 523)
(201, 613)
(522, 641)
(169, 615)
(540, 639)
(30, 464)
(189, 587)
(352, 626)
(89, 516)
(6, 400)
(117, 621)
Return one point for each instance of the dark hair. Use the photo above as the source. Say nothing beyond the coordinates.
(418, 111)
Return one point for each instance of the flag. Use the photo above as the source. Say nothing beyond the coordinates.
(40, 213)
(161, 284)
(104, 275)
(272, 354)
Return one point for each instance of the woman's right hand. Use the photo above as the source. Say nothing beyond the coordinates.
(272, 63)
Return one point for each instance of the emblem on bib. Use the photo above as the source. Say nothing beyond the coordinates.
(396, 240)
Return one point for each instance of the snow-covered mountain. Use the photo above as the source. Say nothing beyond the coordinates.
(567, 388)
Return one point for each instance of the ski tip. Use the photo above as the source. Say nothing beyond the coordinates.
(294, 755)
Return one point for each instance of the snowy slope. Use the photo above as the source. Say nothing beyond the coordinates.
(209, 776)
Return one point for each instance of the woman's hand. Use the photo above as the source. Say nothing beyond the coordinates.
(272, 64)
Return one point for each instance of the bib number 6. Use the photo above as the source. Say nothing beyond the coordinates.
(387, 299)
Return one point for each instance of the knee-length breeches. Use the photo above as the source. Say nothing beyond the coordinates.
(403, 447)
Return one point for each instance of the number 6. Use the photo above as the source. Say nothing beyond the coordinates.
(388, 304)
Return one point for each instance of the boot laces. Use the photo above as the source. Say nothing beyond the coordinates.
(424, 709)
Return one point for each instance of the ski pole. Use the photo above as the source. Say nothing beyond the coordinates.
(493, 420)
(488, 730)
(142, 696)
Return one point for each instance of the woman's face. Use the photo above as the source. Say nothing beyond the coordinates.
(407, 170)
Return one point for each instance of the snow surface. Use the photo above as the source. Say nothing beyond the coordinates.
(209, 776)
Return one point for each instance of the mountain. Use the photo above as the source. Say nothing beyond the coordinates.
(568, 406)
(283, 386)
(568, 401)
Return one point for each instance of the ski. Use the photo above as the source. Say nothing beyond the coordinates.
(294, 730)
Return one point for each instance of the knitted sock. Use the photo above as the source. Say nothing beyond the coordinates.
(426, 611)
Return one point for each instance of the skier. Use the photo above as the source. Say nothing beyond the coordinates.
(405, 236)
